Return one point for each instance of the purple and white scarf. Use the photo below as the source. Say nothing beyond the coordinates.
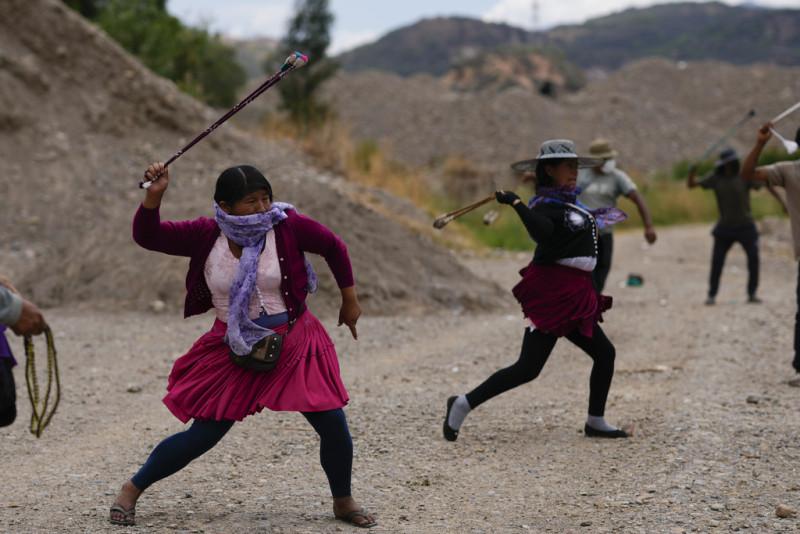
(249, 232)
(568, 194)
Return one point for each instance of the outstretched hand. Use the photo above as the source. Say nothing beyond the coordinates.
(350, 311)
(506, 197)
(348, 315)
(31, 321)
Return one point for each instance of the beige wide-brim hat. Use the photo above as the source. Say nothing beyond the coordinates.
(601, 148)
(555, 149)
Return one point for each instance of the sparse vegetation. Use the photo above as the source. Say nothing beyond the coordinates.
(308, 33)
(199, 63)
(669, 200)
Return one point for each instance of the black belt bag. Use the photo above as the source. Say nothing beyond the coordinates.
(265, 353)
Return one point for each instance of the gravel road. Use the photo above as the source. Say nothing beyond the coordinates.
(716, 447)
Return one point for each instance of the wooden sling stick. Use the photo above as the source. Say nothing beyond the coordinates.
(442, 220)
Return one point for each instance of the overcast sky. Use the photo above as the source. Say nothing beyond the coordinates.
(361, 21)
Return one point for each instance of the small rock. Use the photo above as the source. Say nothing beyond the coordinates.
(784, 511)
(133, 388)
(158, 306)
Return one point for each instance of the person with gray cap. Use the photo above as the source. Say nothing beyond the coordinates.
(735, 223)
(601, 186)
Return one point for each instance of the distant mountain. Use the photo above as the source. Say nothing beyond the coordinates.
(690, 31)
(687, 31)
(432, 46)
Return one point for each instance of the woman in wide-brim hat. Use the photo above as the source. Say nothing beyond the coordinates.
(555, 292)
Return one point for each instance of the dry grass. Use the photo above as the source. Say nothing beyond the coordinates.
(331, 146)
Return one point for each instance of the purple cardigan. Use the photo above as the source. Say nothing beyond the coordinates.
(293, 236)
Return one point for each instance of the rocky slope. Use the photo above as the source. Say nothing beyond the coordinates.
(80, 120)
(654, 111)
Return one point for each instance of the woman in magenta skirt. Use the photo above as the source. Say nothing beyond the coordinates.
(248, 264)
(556, 291)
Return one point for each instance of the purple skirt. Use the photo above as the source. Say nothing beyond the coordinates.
(205, 385)
(559, 299)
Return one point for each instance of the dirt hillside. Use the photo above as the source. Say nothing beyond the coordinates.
(79, 121)
(654, 111)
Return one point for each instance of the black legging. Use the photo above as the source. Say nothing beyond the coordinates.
(536, 348)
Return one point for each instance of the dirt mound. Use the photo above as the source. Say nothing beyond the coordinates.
(655, 111)
(79, 121)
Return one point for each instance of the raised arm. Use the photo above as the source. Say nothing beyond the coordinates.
(158, 175)
(749, 172)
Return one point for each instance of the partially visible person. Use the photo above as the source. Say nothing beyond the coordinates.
(601, 186)
(24, 319)
(22, 315)
(555, 292)
(248, 263)
(735, 223)
(784, 174)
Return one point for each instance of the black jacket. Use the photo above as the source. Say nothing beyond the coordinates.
(560, 231)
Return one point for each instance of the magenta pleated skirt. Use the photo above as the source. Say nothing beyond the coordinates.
(205, 385)
(559, 299)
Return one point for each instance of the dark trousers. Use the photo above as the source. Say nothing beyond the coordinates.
(724, 238)
(605, 250)
(796, 362)
(536, 349)
(178, 450)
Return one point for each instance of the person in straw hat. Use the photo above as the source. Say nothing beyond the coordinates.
(735, 223)
(555, 292)
(601, 186)
(784, 174)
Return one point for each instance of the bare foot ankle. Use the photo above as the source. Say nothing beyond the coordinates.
(126, 499)
(347, 509)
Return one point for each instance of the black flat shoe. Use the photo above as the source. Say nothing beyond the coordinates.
(594, 433)
(449, 433)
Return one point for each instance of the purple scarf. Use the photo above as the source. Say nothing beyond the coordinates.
(568, 194)
(249, 232)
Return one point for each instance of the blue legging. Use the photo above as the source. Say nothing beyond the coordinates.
(178, 450)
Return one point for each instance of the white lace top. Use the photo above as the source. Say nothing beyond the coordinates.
(221, 266)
